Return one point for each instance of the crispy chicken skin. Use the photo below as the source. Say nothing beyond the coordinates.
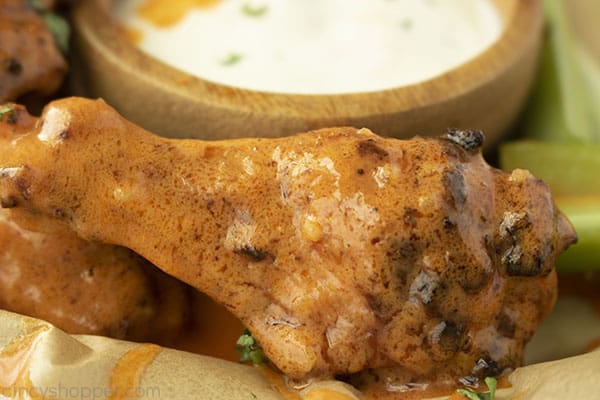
(88, 288)
(30, 62)
(78, 286)
(339, 249)
(48, 272)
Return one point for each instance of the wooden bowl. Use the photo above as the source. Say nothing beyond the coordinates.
(486, 92)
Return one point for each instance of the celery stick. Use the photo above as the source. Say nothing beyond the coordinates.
(564, 105)
(570, 169)
(545, 118)
(584, 214)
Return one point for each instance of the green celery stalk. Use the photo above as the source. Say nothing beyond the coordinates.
(573, 173)
(584, 214)
(571, 169)
(565, 103)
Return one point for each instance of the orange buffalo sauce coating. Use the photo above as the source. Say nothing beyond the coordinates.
(31, 62)
(341, 251)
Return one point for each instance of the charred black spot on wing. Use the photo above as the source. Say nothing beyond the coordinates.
(8, 202)
(487, 367)
(452, 338)
(454, 181)
(528, 265)
(448, 224)
(13, 66)
(255, 254)
(403, 256)
(506, 325)
(484, 367)
(468, 139)
(370, 147)
(513, 222)
(473, 278)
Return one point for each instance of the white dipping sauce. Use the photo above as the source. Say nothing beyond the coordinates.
(320, 46)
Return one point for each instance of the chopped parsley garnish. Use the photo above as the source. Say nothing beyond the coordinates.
(406, 24)
(473, 395)
(232, 59)
(60, 30)
(6, 110)
(249, 350)
(253, 11)
(57, 25)
(37, 6)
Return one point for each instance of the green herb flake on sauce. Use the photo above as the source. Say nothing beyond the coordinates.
(253, 11)
(231, 59)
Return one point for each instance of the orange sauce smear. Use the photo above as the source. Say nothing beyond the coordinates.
(379, 392)
(15, 374)
(15, 380)
(277, 383)
(324, 394)
(14, 358)
(129, 370)
(165, 13)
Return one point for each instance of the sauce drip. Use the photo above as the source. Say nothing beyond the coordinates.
(129, 370)
(15, 380)
(14, 358)
(277, 383)
(324, 394)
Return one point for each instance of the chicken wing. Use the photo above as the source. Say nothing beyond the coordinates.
(30, 62)
(339, 250)
(48, 272)
(88, 288)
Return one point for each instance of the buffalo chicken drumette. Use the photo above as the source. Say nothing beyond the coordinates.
(48, 272)
(30, 61)
(340, 250)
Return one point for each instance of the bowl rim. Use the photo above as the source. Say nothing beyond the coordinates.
(94, 19)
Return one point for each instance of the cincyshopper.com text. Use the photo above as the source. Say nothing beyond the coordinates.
(81, 392)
